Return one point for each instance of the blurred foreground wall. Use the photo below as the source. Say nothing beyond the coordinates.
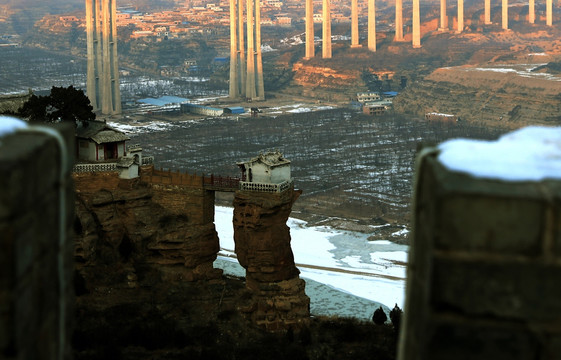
(484, 276)
(35, 271)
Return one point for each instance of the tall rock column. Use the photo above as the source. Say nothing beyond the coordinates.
(326, 35)
(505, 14)
(549, 12)
(309, 29)
(531, 12)
(234, 86)
(487, 12)
(372, 25)
(460, 16)
(398, 20)
(416, 25)
(262, 241)
(443, 16)
(354, 24)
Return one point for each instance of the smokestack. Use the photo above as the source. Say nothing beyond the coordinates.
(531, 12)
(110, 92)
(398, 20)
(354, 24)
(234, 90)
(372, 25)
(326, 48)
(310, 50)
(93, 71)
(250, 91)
(505, 14)
(443, 17)
(416, 25)
(487, 12)
(549, 12)
(241, 50)
(260, 83)
(460, 16)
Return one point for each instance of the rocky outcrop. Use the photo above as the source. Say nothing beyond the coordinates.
(130, 233)
(509, 96)
(263, 248)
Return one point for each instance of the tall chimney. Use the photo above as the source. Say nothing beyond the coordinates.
(354, 24)
(115, 82)
(241, 49)
(372, 25)
(398, 20)
(260, 83)
(505, 14)
(310, 50)
(549, 12)
(234, 89)
(531, 11)
(443, 17)
(326, 47)
(250, 91)
(487, 12)
(111, 96)
(92, 40)
(416, 25)
(460, 16)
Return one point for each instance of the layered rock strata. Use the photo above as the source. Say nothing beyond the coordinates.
(132, 232)
(263, 248)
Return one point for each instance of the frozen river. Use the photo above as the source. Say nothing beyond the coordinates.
(346, 275)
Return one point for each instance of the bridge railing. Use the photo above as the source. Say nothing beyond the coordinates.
(81, 168)
(266, 187)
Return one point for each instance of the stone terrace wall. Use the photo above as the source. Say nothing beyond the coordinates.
(30, 281)
(484, 269)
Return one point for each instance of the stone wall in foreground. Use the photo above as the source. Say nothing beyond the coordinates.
(36, 288)
(484, 276)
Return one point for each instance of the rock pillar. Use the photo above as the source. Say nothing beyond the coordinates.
(372, 25)
(505, 14)
(487, 12)
(326, 36)
(443, 16)
(531, 12)
(460, 16)
(549, 12)
(309, 29)
(354, 24)
(262, 241)
(398, 20)
(416, 25)
(234, 82)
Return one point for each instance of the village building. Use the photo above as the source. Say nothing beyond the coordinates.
(269, 172)
(97, 141)
(364, 97)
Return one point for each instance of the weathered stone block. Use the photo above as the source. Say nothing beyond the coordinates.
(492, 224)
(527, 291)
(468, 339)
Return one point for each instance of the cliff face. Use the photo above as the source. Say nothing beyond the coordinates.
(131, 233)
(263, 247)
(505, 95)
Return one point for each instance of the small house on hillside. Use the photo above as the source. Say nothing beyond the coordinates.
(97, 141)
(266, 172)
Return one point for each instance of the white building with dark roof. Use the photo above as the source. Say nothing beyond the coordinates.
(97, 142)
(268, 172)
